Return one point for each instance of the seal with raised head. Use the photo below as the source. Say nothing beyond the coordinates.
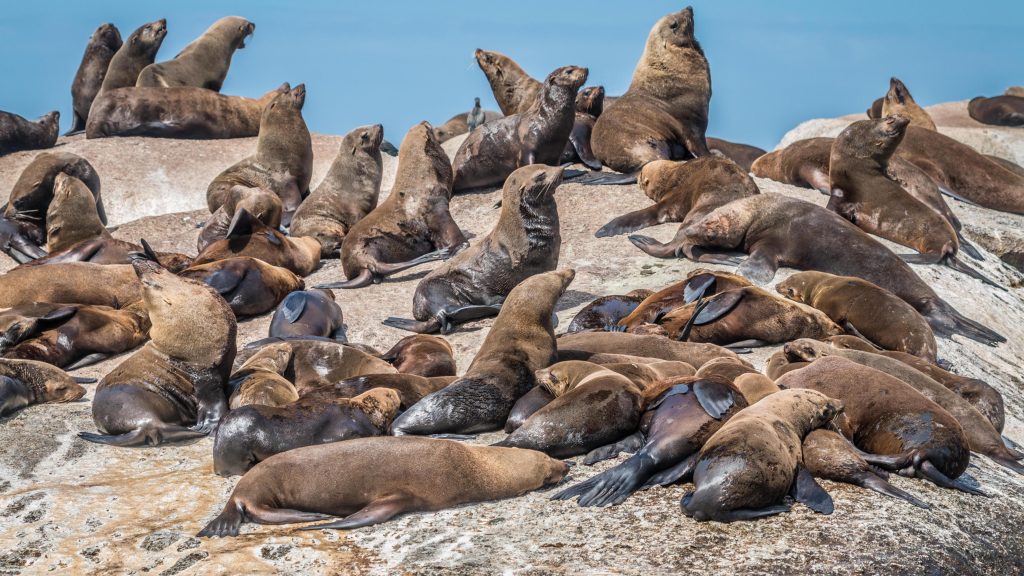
(899, 102)
(776, 230)
(346, 195)
(520, 342)
(248, 236)
(422, 355)
(137, 52)
(25, 382)
(251, 434)
(308, 313)
(604, 313)
(514, 89)
(584, 345)
(100, 50)
(283, 161)
(875, 110)
(204, 62)
(698, 283)
(371, 480)
(173, 387)
(71, 283)
(250, 286)
(413, 225)
(474, 283)
(664, 113)
(864, 309)
(537, 136)
(1005, 110)
(17, 133)
(261, 203)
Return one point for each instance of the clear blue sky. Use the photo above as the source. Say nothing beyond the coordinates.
(773, 64)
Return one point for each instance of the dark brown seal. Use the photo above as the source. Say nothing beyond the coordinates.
(17, 133)
(411, 388)
(137, 52)
(664, 113)
(1005, 110)
(346, 195)
(537, 136)
(100, 50)
(413, 225)
(514, 89)
(261, 203)
(698, 283)
(474, 283)
(899, 102)
(247, 236)
(604, 313)
(204, 62)
(422, 355)
(25, 382)
(589, 104)
(173, 387)
(308, 313)
(743, 155)
(875, 111)
(250, 286)
(371, 480)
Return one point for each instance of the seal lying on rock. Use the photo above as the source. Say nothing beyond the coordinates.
(17, 133)
(248, 236)
(1005, 110)
(423, 355)
(71, 283)
(698, 283)
(250, 286)
(605, 312)
(25, 382)
(261, 203)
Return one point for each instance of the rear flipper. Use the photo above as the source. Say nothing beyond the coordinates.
(1011, 444)
(431, 326)
(880, 485)
(946, 321)
(580, 140)
(727, 516)
(632, 221)
(852, 330)
(747, 344)
(380, 510)
(468, 314)
(948, 192)
(365, 278)
(815, 178)
(652, 247)
(681, 472)
(630, 444)
(929, 472)
(967, 247)
(809, 493)
(88, 361)
(604, 178)
(950, 261)
(145, 436)
(1008, 463)
(226, 523)
(612, 486)
(758, 268)
(77, 125)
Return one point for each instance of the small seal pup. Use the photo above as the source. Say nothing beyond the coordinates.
(204, 62)
(26, 382)
(247, 236)
(250, 286)
(137, 52)
(173, 387)
(521, 341)
(371, 480)
(17, 133)
(422, 355)
(346, 195)
(899, 102)
(413, 225)
(536, 136)
(525, 241)
(100, 50)
(308, 313)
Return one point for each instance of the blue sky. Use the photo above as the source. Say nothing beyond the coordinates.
(773, 64)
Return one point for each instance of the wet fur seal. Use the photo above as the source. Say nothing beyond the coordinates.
(261, 203)
(413, 225)
(865, 309)
(17, 133)
(664, 113)
(473, 284)
(410, 387)
(776, 230)
(520, 342)
(899, 102)
(308, 313)
(100, 50)
(514, 89)
(422, 355)
(204, 62)
(251, 434)
(283, 161)
(371, 480)
(346, 195)
(583, 345)
(173, 387)
(250, 286)
(247, 236)
(25, 382)
(698, 283)
(1005, 110)
(537, 136)
(71, 283)
(137, 52)
(604, 313)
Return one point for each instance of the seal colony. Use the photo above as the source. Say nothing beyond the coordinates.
(323, 429)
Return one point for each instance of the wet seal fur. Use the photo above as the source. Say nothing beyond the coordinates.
(308, 313)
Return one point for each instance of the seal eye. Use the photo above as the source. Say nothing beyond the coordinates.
(674, 25)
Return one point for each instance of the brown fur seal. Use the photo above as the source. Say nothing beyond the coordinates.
(247, 236)
(137, 52)
(410, 387)
(71, 336)
(173, 387)
(778, 364)
(698, 283)
(537, 136)
(17, 133)
(204, 62)
(583, 345)
(604, 313)
(474, 283)
(422, 355)
(249, 285)
(754, 460)
(102, 46)
(413, 225)
(251, 434)
(318, 364)
(726, 368)
(260, 379)
(183, 112)
(346, 195)
(776, 230)
(683, 192)
(520, 342)
(865, 309)
(743, 155)
(875, 111)
(457, 125)
(514, 89)
(1005, 110)
(283, 161)
(71, 283)
(371, 480)
(747, 316)
(981, 436)
(308, 313)
(896, 426)
(24, 382)
(261, 203)
(899, 102)
(664, 113)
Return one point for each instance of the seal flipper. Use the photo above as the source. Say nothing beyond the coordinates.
(606, 178)
(88, 361)
(580, 140)
(652, 247)
(681, 472)
(929, 472)
(1011, 444)
(387, 269)
(713, 397)
(697, 287)
(431, 326)
(727, 516)
(380, 510)
(879, 484)
(293, 306)
(968, 247)
(758, 268)
(613, 486)
(77, 124)
(808, 492)
(630, 444)
(145, 436)
(631, 222)
(960, 266)
(223, 281)
(225, 524)
(946, 321)
(468, 314)
(815, 178)
(852, 330)
(365, 278)
(718, 306)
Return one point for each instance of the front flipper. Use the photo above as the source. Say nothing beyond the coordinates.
(967, 247)
(880, 485)
(380, 510)
(852, 330)
(580, 140)
(727, 516)
(293, 306)
(718, 306)
(629, 444)
(606, 179)
(681, 472)
(652, 247)
(632, 221)
(716, 399)
(808, 492)
(431, 326)
(758, 268)
(746, 345)
(468, 314)
(697, 287)
(815, 178)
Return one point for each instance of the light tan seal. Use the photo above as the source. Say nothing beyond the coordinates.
(204, 62)
(514, 89)
(898, 101)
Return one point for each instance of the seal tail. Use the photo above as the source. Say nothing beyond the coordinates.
(226, 523)
(946, 321)
(150, 436)
(605, 178)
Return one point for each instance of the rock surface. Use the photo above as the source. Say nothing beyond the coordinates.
(67, 506)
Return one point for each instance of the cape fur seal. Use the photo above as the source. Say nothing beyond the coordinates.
(743, 155)
(346, 195)
(537, 136)
(584, 345)
(589, 104)
(250, 286)
(1005, 110)
(308, 313)
(371, 480)
(605, 312)
(17, 133)
(204, 62)
(664, 113)
(474, 283)
(514, 89)
(137, 52)
(411, 388)
(898, 101)
(459, 124)
(102, 46)
(422, 355)
(71, 283)
(247, 236)
(24, 382)
(260, 380)
(413, 225)
(521, 341)
(173, 387)
(698, 283)
(261, 203)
